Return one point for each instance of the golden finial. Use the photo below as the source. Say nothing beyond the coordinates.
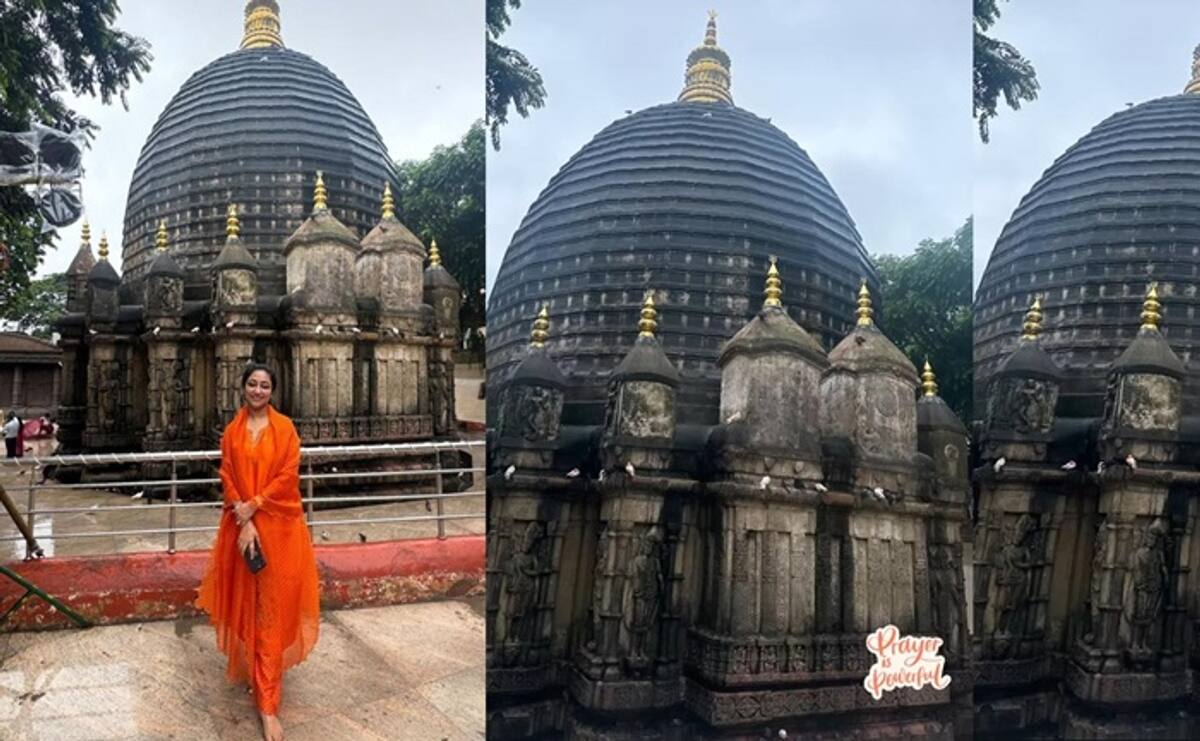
(1033, 320)
(1151, 308)
(435, 257)
(233, 227)
(707, 77)
(85, 236)
(864, 312)
(774, 289)
(928, 381)
(261, 25)
(541, 328)
(649, 320)
(319, 194)
(389, 203)
(160, 238)
(1193, 85)
(103, 246)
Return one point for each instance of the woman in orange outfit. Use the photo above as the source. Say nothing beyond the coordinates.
(266, 622)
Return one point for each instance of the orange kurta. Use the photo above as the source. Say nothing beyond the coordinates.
(265, 622)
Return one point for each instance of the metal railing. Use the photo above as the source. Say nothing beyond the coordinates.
(309, 457)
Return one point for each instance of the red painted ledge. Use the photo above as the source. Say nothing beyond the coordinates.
(135, 587)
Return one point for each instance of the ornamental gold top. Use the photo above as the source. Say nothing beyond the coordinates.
(1032, 326)
(389, 203)
(261, 25)
(649, 321)
(160, 238)
(774, 290)
(320, 195)
(928, 380)
(85, 236)
(707, 78)
(1151, 308)
(864, 312)
(1193, 85)
(103, 246)
(233, 227)
(435, 257)
(541, 328)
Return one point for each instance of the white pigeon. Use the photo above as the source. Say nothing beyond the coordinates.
(141, 493)
(229, 324)
(194, 330)
(356, 330)
(820, 487)
(1069, 466)
(629, 469)
(1131, 461)
(92, 331)
(764, 482)
(1100, 467)
(157, 330)
(733, 418)
(999, 464)
(324, 535)
(782, 733)
(601, 476)
(395, 331)
(320, 328)
(877, 492)
(333, 468)
(573, 473)
(508, 473)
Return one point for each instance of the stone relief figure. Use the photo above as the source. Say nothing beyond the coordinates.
(1096, 636)
(599, 576)
(541, 414)
(1144, 591)
(947, 592)
(646, 587)
(520, 590)
(1010, 567)
(1022, 405)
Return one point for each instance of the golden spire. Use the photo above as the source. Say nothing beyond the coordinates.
(1151, 308)
(864, 312)
(103, 246)
(160, 238)
(928, 381)
(262, 25)
(774, 289)
(319, 194)
(435, 257)
(649, 320)
(541, 328)
(389, 203)
(1033, 320)
(233, 227)
(85, 236)
(707, 76)
(1193, 85)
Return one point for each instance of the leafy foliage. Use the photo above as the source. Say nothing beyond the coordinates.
(999, 70)
(36, 307)
(927, 311)
(442, 197)
(511, 79)
(46, 47)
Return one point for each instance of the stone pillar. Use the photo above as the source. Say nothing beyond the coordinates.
(444, 295)
(234, 317)
(109, 376)
(170, 422)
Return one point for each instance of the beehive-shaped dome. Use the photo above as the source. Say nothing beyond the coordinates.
(690, 199)
(252, 128)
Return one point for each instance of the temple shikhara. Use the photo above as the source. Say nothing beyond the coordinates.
(1085, 606)
(260, 226)
(713, 475)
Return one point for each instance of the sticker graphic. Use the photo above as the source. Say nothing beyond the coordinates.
(904, 661)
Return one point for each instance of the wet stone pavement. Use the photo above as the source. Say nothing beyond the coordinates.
(405, 672)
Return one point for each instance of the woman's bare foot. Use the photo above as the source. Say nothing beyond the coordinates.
(272, 729)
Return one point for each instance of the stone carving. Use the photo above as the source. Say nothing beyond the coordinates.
(519, 592)
(1011, 576)
(1145, 585)
(599, 579)
(645, 584)
(1023, 405)
(1148, 402)
(946, 592)
(534, 413)
(1096, 636)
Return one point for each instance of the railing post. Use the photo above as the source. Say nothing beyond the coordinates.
(308, 507)
(29, 510)
(441, 524)
(171, 511)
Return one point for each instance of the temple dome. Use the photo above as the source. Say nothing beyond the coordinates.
(688, 199)
(1117, 211)
(252, 128)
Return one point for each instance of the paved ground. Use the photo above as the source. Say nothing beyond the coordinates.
(405, 672)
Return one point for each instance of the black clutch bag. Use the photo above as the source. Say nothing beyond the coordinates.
(256, 562)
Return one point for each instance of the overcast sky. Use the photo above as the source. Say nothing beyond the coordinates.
(1092, 58)
(877, 93)
(416, 66)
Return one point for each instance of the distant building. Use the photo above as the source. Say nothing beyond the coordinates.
(30, 374)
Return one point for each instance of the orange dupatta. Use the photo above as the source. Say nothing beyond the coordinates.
(265, 622)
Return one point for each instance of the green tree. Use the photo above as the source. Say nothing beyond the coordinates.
(999, 70)
(442, 198)
(927, 311)
(511, 79)
(36, 307)
(48, 47)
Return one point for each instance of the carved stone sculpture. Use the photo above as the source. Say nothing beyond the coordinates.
(1144, 592)
(520, 591)
(646, 586)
